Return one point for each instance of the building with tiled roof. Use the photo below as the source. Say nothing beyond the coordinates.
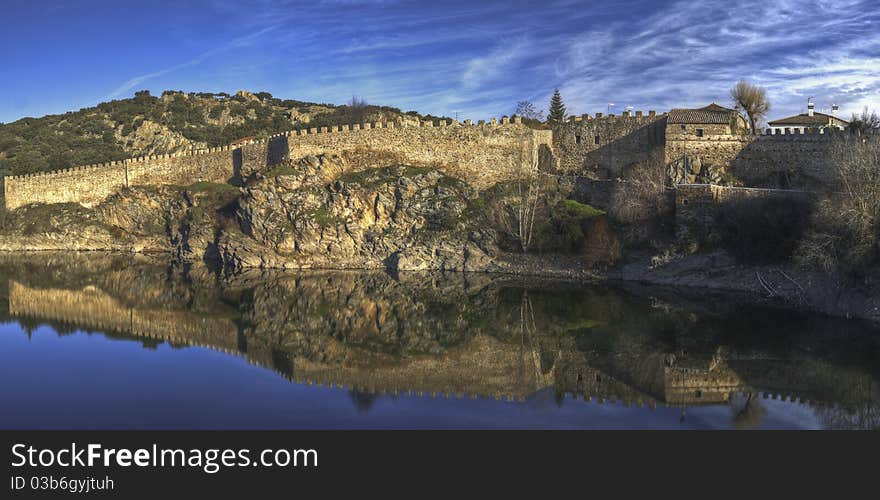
(804, 122)
(713, 119)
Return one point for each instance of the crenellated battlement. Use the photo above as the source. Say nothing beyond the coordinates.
(291, 133)
(455, 141)
(96, 167)
(626, 115)
(606, 143)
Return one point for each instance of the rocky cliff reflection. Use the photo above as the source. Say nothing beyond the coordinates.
(378, 335)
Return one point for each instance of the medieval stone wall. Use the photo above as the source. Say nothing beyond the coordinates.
(89, 185)
(481, 154)
(600, 147)
(605, 146)
(771, 161)
(673, 130)
(795, 160)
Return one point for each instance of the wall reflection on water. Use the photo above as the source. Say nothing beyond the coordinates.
(658, 353)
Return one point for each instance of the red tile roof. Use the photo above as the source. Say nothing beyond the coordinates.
(712, 114)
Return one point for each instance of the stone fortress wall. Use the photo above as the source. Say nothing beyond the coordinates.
(601, 147)
(482, 154)
(601, 150)
(760, 160)
(91, 184)
(605, 145)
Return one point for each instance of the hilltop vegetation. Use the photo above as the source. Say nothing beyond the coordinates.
(176, 121)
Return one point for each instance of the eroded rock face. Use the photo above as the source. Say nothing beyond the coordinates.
(317, 213)
(179, 221)
(154, 138)
(696, 170)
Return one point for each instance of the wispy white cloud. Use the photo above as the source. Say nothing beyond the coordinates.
(480, 58)
(685, 56)
(501, 61)
(242, 41)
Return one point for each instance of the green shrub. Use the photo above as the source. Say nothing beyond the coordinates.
(323, 217)
(580, 210)
(569, 222)
(216, 111)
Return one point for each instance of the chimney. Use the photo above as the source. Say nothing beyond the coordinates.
(810, 106)
(834, 109)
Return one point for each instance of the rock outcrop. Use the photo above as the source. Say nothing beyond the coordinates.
(169, 219)
(316, 213)
(153, 138)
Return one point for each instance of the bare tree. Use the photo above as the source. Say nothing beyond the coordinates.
(857, 162)
(357, 102)
(753, 100)
(747, 410)
(528, 111)
(642, 195)
(867, 123)
(519, 211)
(358, 109)
(641, 203)
(846, 224)
(865, 416)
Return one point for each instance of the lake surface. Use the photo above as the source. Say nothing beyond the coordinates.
(90, 341)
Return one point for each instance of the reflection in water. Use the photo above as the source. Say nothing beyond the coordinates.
(468, 337)
(363, 401)
(747, 410)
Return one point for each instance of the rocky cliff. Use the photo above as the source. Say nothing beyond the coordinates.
(317, 213)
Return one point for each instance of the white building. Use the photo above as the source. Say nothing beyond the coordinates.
(807, 122)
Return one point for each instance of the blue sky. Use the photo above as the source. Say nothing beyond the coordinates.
(475, 58)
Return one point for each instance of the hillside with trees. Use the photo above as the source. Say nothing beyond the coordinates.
(175, 121)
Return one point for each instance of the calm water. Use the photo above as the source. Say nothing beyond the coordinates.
(99, 342)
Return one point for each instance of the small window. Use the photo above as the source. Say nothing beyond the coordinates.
(577, 139)
(699, 132)
(698, 394)
(597, 139)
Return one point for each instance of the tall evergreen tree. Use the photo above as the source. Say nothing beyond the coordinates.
(557, 108)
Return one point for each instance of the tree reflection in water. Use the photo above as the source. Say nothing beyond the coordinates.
(477, 335)
(747, 410)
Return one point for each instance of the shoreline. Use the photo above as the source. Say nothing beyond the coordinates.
(792, 289)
